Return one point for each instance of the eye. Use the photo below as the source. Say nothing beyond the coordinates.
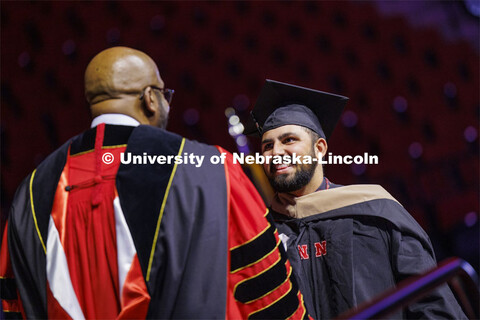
(289, 140)
(267, 146)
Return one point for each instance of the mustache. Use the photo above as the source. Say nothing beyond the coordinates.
(286, 160)
(273, 168)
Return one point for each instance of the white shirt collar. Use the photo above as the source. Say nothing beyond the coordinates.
(116, 119)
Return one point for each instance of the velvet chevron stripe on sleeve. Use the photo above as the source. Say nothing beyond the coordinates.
(260, 279)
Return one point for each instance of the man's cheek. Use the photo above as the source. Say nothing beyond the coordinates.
(266, 168)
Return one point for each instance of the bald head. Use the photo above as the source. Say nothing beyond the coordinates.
(122, 80)
(118, 71)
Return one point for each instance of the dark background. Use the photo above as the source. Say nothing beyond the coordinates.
(411, 70)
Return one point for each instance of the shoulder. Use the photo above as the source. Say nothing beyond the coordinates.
(373, 201)
(374, 196)
(145, 136)
(34, 193)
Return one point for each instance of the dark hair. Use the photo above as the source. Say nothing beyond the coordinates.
(313, 135)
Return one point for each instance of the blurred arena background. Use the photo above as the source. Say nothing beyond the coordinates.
(410, 68)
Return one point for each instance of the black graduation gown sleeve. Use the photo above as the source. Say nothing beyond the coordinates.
(408, 258)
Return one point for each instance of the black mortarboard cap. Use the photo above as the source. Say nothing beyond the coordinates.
(281, 104)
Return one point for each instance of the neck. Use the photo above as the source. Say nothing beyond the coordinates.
(312, 186)
(122, 106)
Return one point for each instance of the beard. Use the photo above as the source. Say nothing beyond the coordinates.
(301, 177)
(162, 121)
(163, 116)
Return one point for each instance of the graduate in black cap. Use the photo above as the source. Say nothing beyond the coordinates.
(347, 244)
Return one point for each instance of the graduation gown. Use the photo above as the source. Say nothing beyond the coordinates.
(92, 239)
(349, 244)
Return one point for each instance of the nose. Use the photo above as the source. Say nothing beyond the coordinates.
(278, 149)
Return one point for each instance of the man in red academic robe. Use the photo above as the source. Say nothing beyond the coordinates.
(117, 223)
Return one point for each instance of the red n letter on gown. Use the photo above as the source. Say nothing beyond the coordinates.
(303, 251)
(320, 248)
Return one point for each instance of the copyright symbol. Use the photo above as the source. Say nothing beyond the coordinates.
(108, 158)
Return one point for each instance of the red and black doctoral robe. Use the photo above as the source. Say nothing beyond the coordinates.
(86, 239)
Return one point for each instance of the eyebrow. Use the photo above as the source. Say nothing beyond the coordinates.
(283, 135)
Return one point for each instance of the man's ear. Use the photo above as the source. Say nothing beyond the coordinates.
(149, 102)
(321, 146)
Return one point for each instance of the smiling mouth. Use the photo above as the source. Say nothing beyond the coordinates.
(281, 168)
